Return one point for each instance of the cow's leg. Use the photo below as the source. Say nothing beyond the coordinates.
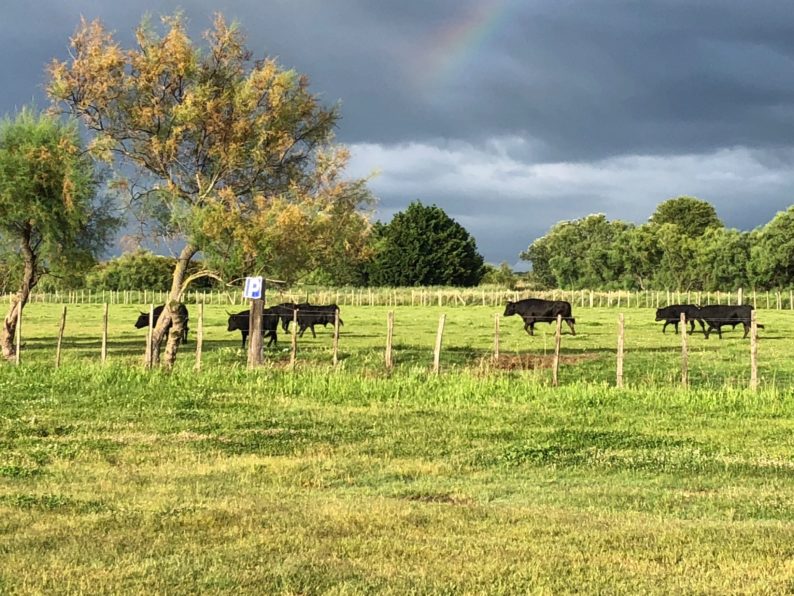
(675, 325)
(664, 327)
(245, 337)
(573, 331)
(691, 326)
(314, 335)
(707, 331)
(302, 329)
(719, 330)
(746, 329)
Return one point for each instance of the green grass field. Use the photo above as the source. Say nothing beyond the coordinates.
(484, 479)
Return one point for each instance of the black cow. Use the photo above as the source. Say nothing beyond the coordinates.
(241, 321)
(143, 319)
(717, 315)
(536, 310)
(671, 315)
(310, 315)
(285, 312)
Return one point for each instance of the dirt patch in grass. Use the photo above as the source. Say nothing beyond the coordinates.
(538, 361)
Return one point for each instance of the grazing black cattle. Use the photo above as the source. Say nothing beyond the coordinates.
(717, 315)
(241, 322)
(671, 315)
(285, 311)
(536, 310)
(143, 319)
(310, 315)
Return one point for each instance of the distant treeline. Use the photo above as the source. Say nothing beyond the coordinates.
(683, 246)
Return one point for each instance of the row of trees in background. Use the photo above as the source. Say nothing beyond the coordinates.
(684, 246)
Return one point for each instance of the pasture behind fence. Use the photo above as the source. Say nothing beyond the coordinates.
(256, 347)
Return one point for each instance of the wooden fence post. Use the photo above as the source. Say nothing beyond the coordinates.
(149, 353)
(60, 338)
(619, 379)
(556, 363)
(104, 334)
(389, 339)
(684, 354)
(17, 357)
(335, 358)
(293, 353)
(753, 352)
(199, 336)
(255, 333)
(437, 349)
(496, 337)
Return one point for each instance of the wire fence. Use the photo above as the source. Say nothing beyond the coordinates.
(780, 299)
(628, 350)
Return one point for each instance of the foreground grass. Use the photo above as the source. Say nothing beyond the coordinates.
(114, 480)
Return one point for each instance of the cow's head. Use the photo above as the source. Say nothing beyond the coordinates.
(143, 320)
(238, 321)
(510, 309)
(659, 314)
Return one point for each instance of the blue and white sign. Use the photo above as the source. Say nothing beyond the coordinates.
(254, 288)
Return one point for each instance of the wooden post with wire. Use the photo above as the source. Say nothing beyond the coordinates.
(336, 337)
(255, 333)
(437, 349)
(60, 338)
(753, 352)
(149, 352)
(496, 338)
(684, 353)
(389, 339)
(199, 336)
(619, 374)
(555, 368)
(104, 334)
(293, 354)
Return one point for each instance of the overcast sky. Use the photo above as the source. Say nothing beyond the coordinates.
(510, 114)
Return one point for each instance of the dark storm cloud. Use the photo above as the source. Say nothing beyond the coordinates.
(511, 115)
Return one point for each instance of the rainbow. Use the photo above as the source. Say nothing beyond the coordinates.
(456, 44)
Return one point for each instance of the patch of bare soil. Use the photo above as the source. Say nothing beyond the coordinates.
(538, 361)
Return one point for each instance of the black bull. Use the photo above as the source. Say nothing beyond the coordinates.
(536, 310)
(671, 315)
(241, 322)
(143, 319)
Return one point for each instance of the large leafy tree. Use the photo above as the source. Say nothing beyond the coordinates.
(579, 253)
(772, 252)
(234, 156)
(49, 213)
(692, 215)
(423, 246)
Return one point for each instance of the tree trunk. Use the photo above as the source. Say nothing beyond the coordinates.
(29, 279)
(170, 313)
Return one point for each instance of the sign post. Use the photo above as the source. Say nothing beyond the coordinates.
(254, 291)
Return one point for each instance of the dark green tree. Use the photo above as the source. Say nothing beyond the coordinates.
(692, 215)
(423, 246)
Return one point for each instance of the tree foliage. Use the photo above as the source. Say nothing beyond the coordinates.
(684, 246)
(50, 215)
(423, 246)
(233, 155)
(691, 215)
